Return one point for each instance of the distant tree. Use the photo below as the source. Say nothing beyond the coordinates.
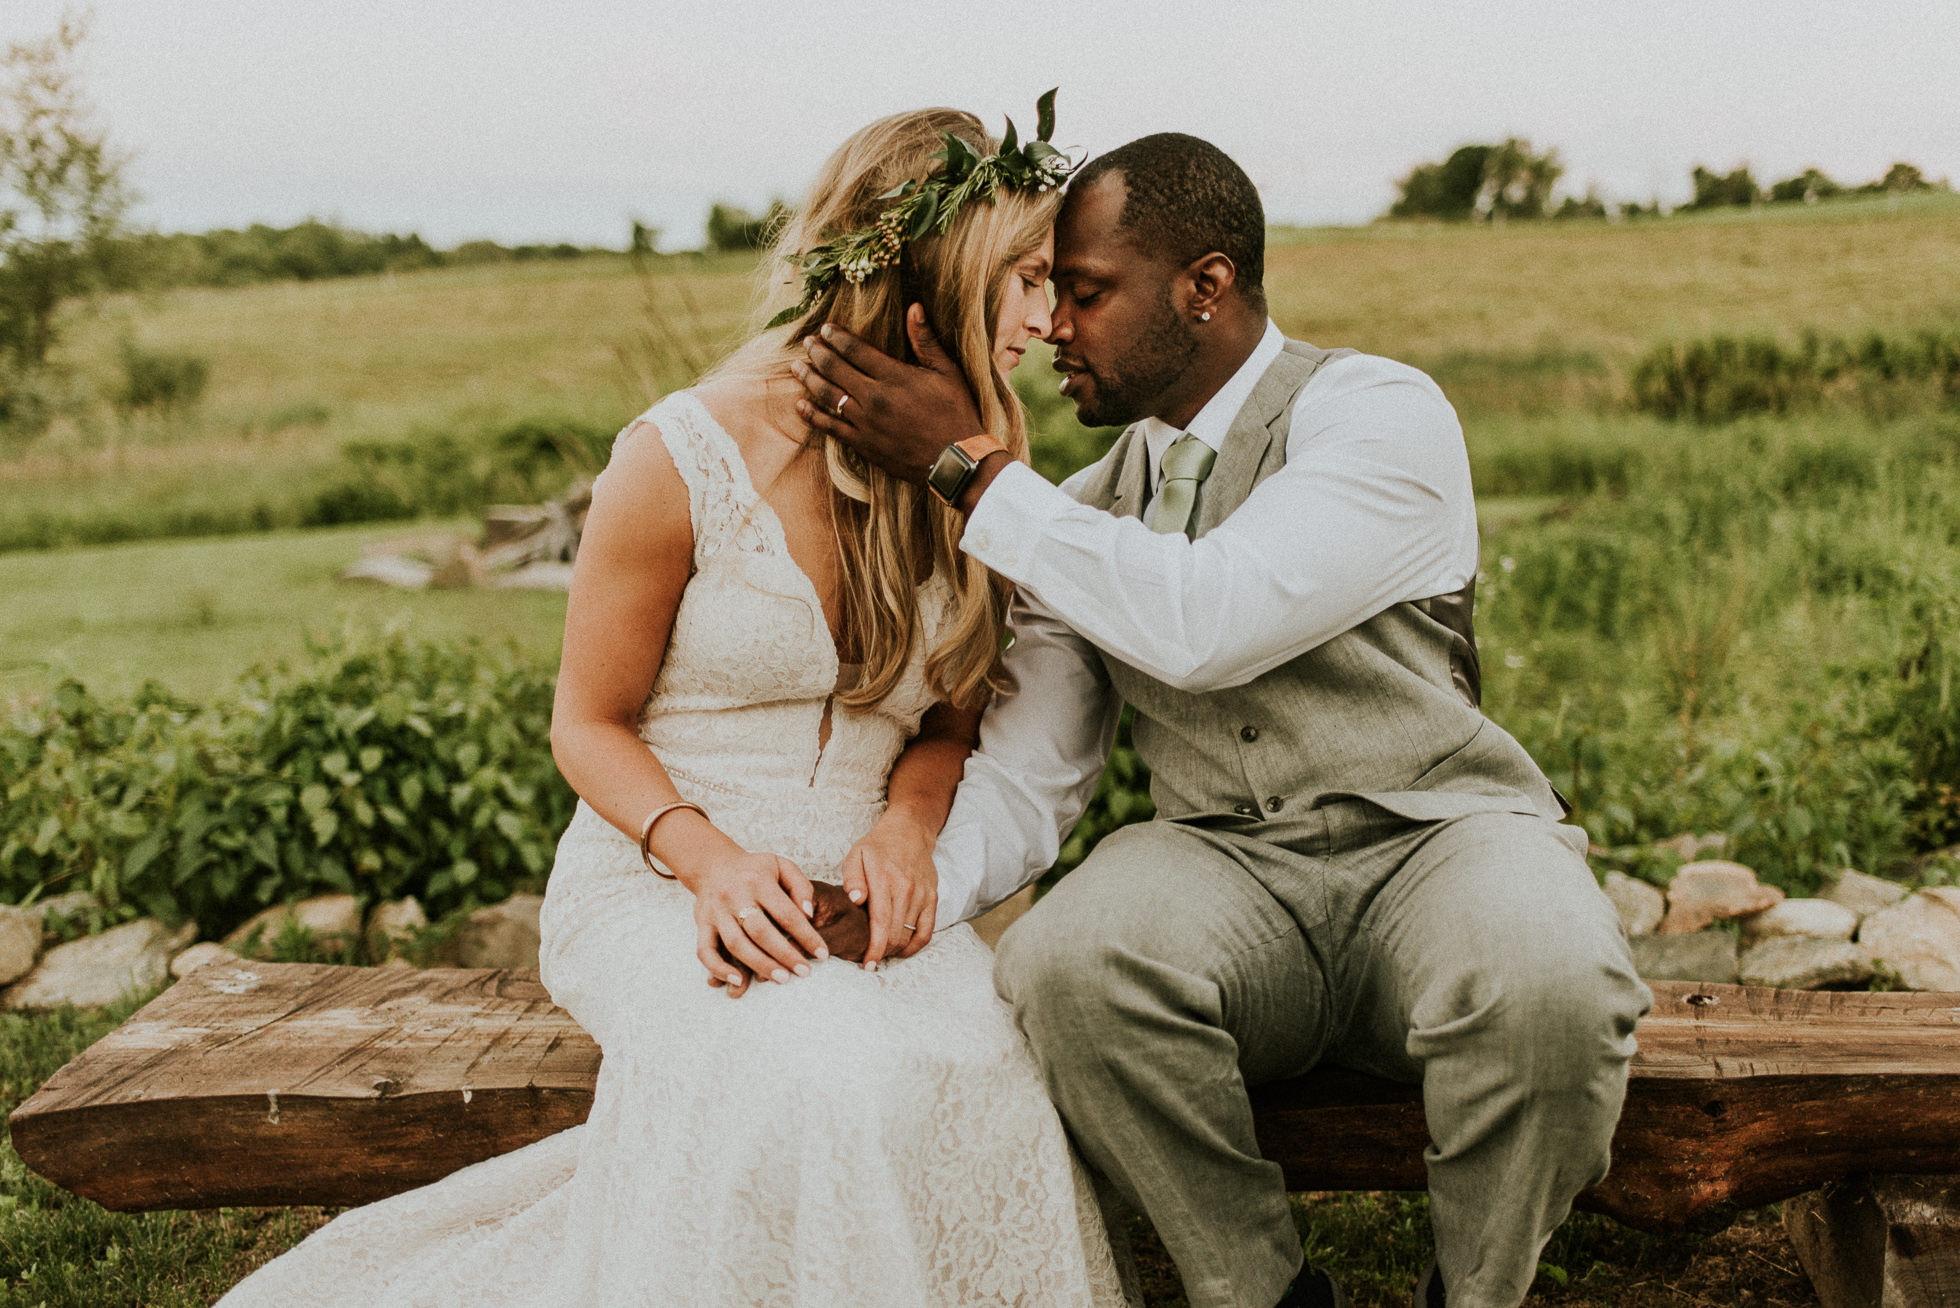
(1482, 183)
(1518, 183)
(1587, 206)
(1718, 191)
(644, 240)
(1444, 190)
(733, 228)
(1902, 179)
(1807, 187)
(62, 195)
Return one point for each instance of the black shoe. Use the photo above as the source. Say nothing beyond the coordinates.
(1429, 1290)
(1313, 1288)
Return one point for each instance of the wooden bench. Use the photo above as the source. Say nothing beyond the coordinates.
(268, 1084)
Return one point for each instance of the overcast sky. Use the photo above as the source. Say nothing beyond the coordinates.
(559, 121)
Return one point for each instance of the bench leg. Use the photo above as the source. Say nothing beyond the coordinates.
(1880, 1241)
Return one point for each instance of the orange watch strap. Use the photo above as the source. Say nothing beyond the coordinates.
(979, 447)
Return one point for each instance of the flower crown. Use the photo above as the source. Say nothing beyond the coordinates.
(930, 204)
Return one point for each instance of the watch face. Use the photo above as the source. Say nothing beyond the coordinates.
(949, 473)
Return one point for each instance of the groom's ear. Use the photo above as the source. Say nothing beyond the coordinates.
(1212, 278)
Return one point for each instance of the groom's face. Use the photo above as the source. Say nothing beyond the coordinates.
(1117, 334)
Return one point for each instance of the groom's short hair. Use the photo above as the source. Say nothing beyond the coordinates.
(1185, 199)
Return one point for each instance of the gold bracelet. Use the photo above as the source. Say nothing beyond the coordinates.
(646, 833)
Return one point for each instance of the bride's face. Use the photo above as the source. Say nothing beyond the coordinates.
(1024, 308)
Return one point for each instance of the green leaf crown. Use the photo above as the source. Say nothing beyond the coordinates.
(930, 204)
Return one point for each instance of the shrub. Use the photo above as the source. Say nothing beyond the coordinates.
(379, 770)
(159, 381)
(1722, 377)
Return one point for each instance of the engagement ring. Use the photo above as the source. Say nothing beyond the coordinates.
(743, 916)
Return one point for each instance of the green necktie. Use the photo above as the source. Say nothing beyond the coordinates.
(1186, 463)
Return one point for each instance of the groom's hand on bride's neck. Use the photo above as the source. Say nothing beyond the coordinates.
(844, 926)
(899, 416)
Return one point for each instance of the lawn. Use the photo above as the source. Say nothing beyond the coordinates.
(195, 614)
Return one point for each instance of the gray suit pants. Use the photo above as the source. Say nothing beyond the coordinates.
(1182, 963)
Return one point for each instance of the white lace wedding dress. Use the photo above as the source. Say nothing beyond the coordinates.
(849, 1139)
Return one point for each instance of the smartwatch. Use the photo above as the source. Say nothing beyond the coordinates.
(953, 471)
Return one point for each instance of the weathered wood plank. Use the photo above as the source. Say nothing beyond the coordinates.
(1880, 1241)
(290, 1083)
(1738, 1097)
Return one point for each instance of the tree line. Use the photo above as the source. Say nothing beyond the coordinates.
(1514, 180)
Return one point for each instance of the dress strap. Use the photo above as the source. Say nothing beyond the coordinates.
(721, 500)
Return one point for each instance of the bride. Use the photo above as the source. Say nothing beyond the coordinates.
(775, 659)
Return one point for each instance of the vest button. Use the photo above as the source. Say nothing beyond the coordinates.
(1275, 804)
(1246, 810)
(1248, 733)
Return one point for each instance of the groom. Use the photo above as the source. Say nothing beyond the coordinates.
(1273, 567)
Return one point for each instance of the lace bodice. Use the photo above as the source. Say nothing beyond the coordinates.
(737, 712)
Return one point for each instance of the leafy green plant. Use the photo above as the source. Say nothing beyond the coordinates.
(159, 381)
(378, 770)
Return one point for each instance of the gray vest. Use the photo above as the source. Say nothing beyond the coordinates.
(1384, 712)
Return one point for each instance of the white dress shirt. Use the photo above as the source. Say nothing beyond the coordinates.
(1373, 507)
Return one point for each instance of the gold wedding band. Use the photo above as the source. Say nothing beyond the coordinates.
(842, 400)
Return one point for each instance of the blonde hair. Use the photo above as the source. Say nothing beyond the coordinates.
(885, 527)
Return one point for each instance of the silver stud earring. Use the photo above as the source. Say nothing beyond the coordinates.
(1205, 316)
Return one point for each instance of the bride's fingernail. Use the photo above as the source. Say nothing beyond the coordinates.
(857, 896)
(803, 969)
(734, 980)
(809, 909)
(871, 966)
(822, 952)
(779, 976)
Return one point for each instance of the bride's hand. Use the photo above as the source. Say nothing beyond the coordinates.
(753, 909)
(890, 871)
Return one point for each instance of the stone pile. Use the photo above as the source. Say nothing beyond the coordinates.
(1716, 922)
(38, 971)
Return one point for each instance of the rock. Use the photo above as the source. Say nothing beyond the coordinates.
(501, 935)
(1802, 917)
(208, 951)
(1694, 956)
(334, 921)
(97, 970)
(1703, 893)
(1690, 846)
(1919, 938)
(392, 924)
(993, 923)
(71, 905)
(1639, 905)
(1795, 962)
(1864, 895)
(20, 942)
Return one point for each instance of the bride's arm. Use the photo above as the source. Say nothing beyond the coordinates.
(633, 563)
(892, 865)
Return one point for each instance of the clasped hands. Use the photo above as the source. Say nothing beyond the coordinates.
(759, 916)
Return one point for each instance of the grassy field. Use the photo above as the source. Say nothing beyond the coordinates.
(1751, 628)
(194, 614)
(1533, 318)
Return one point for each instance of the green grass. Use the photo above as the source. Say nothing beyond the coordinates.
(60, 1251)
(194, 615)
